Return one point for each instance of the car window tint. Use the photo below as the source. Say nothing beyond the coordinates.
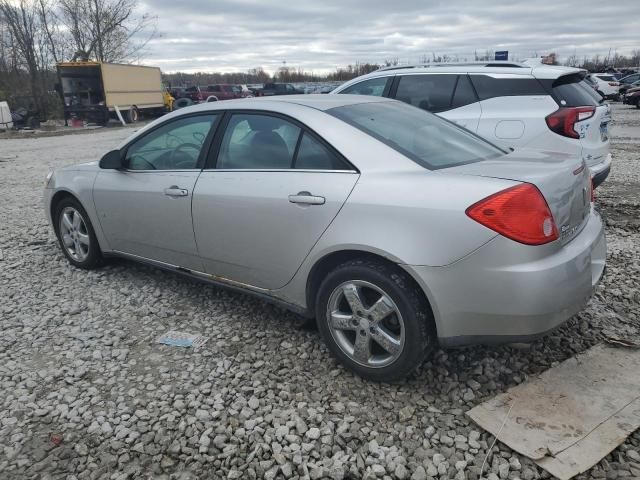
(374, 87)
(428, 92)
(464, 94)
(313, 155)
(254, 141)
(489, 87)
(572, 91)
(175, 145)
(421, 136)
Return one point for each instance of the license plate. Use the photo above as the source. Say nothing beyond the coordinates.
(604, 132)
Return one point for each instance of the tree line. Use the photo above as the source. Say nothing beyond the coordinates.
(37, 34)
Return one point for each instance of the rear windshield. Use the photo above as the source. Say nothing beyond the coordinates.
(426, 139)
(573, 91)
(607, 78)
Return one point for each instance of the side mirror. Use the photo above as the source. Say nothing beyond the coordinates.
(112, 160)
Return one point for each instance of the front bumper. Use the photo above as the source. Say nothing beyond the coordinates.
(600, 171)
(507, 292)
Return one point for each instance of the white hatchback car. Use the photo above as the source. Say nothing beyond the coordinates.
(606, 84)
(542, 107)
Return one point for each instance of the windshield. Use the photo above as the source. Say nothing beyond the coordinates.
(421, 136)
(607, 78)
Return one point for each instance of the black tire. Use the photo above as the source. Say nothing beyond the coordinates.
(133, 115)
(410, 301)
(638, 103)
(94, 258)
(182, 102)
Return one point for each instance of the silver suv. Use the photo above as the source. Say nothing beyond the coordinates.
(543, 107)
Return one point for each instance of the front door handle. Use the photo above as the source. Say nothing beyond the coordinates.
(306, 198)
(176, 191)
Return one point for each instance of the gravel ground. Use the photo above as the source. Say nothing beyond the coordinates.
(85, 392)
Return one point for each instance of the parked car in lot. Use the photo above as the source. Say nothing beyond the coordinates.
(629, 79)
(607, 85)
(225, 91)
(632, 97)
(195, 94)
(624, 88)
(514, 105)
(271, 89)
(394, 228)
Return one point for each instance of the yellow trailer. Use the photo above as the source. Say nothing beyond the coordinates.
(92, 91)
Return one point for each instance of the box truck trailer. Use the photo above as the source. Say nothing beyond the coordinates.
(92, 91)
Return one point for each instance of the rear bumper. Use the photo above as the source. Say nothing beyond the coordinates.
(506, 292)
(600, 171)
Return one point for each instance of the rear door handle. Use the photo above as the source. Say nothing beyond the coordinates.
(176, 191)
(306, 198)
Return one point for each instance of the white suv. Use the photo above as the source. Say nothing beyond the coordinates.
(541, 107)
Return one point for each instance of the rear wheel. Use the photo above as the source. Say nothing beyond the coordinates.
(638, 103)
(133, 115)
(374, 319)
(76, 235)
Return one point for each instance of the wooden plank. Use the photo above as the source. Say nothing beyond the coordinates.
(574, 413)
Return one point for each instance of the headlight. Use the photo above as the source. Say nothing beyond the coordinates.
(48, 178)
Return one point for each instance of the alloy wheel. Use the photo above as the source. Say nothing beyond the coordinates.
(74, 234)
(366, 323)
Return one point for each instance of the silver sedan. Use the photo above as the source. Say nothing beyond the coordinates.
(395, 229)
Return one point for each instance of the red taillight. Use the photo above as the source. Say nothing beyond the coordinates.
(520, 213)
(563, 120)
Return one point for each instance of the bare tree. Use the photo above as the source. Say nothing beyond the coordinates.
(106, 30)
(25, 30)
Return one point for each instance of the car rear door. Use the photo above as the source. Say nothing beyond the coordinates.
(448, 95)
(270, 190)
(145, 209)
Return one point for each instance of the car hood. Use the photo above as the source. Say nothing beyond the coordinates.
(81, 167)
(633, 90)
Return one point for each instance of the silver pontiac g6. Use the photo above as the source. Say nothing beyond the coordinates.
(395, 229)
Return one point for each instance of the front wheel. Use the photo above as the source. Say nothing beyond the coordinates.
(76, 235)
(374, 319)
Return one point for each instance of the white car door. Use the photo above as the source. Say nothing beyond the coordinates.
(274, 192)
(145, 209)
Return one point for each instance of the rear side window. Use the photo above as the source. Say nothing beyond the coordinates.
(313, 155)
(428, 92)
(426, 139)
(375, 87)
(607, 78)
(489, 87)
(572, 91)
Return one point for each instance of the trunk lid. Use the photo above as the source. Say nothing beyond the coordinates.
(563, 180)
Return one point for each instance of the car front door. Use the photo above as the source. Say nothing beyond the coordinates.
(145, 209)
(272, 192)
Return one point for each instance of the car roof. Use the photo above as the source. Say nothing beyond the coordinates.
(537, 70)
(315, 101)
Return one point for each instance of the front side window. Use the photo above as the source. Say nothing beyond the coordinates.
(173, 146)
(254, 141)
(375, 87)
(428, 92)
(421, 136)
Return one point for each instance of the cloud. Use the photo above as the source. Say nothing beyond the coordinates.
(226, 35)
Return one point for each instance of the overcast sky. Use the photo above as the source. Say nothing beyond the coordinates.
(319, 35)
